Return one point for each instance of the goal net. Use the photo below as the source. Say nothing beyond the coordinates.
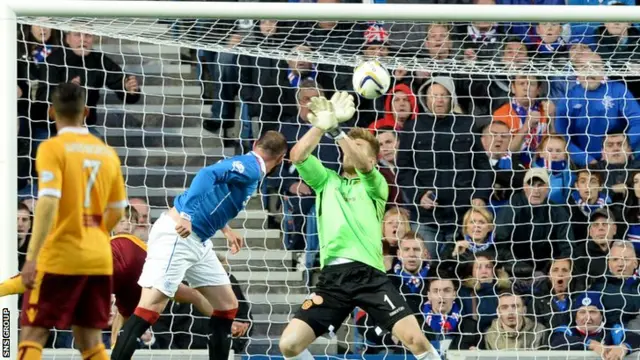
(508, 148)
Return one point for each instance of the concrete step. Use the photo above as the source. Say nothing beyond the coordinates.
(122, 120)
(259, 260)
(142, 49)
(186, 91)
(177, 156)
(322, 346)
(276, 303)
(162, 199)
(253, 277)
(254, 239)
(162, 138)
(159, 109)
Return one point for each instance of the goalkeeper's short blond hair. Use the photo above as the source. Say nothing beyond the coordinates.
(366, 135)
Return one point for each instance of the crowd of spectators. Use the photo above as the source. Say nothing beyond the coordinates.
(512, 220)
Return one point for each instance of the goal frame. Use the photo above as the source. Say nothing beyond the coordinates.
(10, 10)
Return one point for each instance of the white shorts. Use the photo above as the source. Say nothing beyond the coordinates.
(172, 259)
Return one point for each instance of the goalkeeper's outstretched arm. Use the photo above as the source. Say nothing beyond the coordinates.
(305, 146)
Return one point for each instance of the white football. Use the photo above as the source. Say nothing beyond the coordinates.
(371, 79)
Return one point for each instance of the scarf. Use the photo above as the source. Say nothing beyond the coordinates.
(294, 78)
(544, 48)
(40, 53)
(439, 323)
(411, 281)
(533, 138)
(475, 247)
(586, 208)
(562, 305)
(505, 162)
(482, 37)
(553, 166)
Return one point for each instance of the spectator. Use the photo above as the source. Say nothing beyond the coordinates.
(632, 210)
(477, 232)
(265, 88)
(552, 301)
(444, 325)
(129, 222)
(619, 287)
(591, 254)
(587, 197)
(375, 41)
(618, 41)
(552, 156)
(24, 232)
(395, 225)
(588, 331)
(35, 44)
(531, 229)
(616, 162)
(526, 115)
(508, 168)
(441, 174)
(400, 105)
(408, 275)
(299, 197)
(481, 40)
(512, 330)
(593, 109)
(479, 291)
(545, 41)
(144, 221)
(82, 65)
(388, 140)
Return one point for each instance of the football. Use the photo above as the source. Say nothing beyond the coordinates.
(371, 79)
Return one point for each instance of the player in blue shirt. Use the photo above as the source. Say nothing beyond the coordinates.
(179, 249)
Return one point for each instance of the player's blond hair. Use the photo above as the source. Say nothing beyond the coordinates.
(366, 135)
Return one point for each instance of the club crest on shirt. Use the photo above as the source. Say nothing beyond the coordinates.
(46, 176)
(238, 167)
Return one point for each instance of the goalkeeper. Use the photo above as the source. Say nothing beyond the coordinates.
(350, 210)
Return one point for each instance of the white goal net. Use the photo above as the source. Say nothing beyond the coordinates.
(509, 149)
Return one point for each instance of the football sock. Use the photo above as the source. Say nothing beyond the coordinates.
(137, 324)
(12, 286)
(220, 333)
(29, 350)
(97, 353)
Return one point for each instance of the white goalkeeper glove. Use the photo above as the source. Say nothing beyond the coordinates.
(343, 106)
(322, 114)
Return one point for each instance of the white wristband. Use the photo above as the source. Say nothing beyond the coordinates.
(184, 215)
(340, 136)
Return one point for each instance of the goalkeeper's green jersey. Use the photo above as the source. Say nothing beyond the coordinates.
(349, 211)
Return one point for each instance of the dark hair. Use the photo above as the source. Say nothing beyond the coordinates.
(27, 43)
(69, 100)
(131, 213)
(272, 143)
(23, 206)
(592, 171)
(443, 271)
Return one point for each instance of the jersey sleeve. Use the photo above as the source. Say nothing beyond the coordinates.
(118, 194)
(233, 171)
(313, 172)
(49, 165)
(375, 185)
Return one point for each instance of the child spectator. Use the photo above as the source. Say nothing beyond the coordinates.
(507, 167)
(375, 41)
(483, 281)
(400, 105)
(512, 330)
(552, 156)
(620, 286)
(545, 41)
(444, 326)
(552, 300)
(587, 197)
(526, 115)
(588, 331)
(477, 233)
(594, 108)
(395, 225)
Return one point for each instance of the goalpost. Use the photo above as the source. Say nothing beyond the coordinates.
(136, 21)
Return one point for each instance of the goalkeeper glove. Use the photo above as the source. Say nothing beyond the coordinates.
(322, 114)
(343, 106)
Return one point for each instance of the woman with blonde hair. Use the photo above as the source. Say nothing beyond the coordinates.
(477, 233)
(395, 224)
